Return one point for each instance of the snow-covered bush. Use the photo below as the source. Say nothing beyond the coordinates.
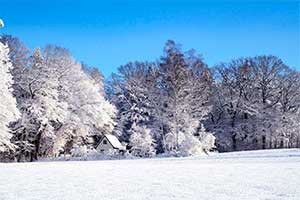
(79, 151)
(207, 139)
(141, 142)
(190, 145)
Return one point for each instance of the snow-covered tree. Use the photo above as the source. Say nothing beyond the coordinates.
(173, 106)
(185, 81)
(141, 141)
(8, 108)
(254, 100)
(88, 112)
(234, 102)
(207, 139)
(174, 76)
(41, 110)
(19, 57)
(132, 98)
(63, 105)
(169, 98)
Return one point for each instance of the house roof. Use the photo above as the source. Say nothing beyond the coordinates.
(113, 140)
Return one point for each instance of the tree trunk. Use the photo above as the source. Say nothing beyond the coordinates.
(263, 142)
(37, 145)
(233, 141)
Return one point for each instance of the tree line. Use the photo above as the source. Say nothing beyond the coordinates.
(174, 106)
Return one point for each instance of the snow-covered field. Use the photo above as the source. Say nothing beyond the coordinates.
(253, 175)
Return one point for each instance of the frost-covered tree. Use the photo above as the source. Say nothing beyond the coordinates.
(234, 102)
(19, 57)
(132, 97)
(96, 75)
(174, 77)
(185, 81)
(64, 105)
(8, 109)
(254, 100)
(88, 112)
(170, 97)
(208, 140)
(289, 106)
(200, 84)
(141, 141)
(41, 110)
(278, 94)
(177, 101)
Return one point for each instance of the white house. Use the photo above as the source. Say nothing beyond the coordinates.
(110, 143)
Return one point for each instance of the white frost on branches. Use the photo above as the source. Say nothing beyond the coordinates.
(8, 109)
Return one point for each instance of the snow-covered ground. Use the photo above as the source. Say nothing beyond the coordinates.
(252, 175)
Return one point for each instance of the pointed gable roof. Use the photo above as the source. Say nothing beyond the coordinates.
(113, 140)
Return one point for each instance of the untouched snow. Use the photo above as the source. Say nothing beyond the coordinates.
(252, 175)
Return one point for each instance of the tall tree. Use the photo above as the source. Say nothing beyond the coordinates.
(184, 81)
(41, 110)
(64, 105)
(254, 102)
(19, 57)
(8, 109)
(131, 96)
(88, 112)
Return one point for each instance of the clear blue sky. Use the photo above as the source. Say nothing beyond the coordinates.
(108, 34)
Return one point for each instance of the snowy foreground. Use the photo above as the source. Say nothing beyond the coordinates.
(268, 175)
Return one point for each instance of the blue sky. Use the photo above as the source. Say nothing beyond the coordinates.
(108, 34)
